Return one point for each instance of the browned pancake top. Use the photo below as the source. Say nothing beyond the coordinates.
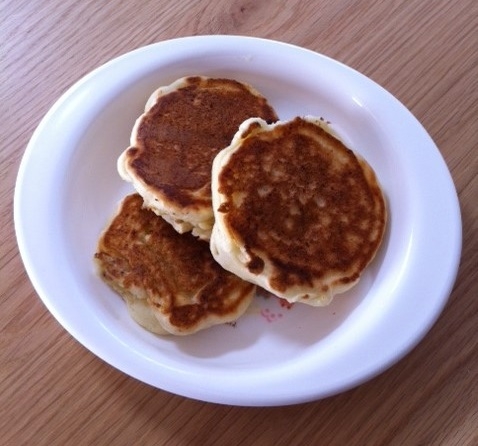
(181, 134)
(299, 195)
(139, 250)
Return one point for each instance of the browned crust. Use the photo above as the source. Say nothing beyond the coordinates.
(309, 205)
(141, 255)
(178, 138)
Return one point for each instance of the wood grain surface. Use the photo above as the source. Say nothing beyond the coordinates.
(55, 392)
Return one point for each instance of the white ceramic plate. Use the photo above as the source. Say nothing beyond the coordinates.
(68, 188)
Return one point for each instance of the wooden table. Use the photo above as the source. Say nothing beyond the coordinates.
(55, 392)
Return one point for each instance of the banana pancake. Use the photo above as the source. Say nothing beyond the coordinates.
(175, 141)
(296, 211)
(169, 281)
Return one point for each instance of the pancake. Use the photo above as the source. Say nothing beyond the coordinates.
(175, 141)
(296, 211)
(169, 281)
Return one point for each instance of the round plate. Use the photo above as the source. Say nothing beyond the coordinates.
(68, 188)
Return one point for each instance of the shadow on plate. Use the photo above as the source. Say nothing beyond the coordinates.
(271, 321)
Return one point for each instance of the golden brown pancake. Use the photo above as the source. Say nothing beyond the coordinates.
(175, 141)
(169, 280)
(296, 211)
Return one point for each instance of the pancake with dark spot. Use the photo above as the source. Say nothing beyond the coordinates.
(169, 281)
(175, 141)
(296, 211)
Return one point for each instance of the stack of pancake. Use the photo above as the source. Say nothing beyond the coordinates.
(229, 197)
